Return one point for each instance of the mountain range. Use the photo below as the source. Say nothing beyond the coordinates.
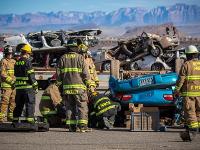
(179, 14)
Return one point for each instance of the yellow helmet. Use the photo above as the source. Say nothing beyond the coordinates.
(191, 50)
(26, 48)
(83, 48)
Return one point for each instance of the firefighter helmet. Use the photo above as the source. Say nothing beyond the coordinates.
(191, 50)
(26, 48)
(83, 48)
(8, 49)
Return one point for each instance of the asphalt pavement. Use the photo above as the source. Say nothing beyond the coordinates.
(118, 138)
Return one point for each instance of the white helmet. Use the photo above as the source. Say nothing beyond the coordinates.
(191, 49)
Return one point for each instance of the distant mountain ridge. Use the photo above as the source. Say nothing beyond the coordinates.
(178, 14)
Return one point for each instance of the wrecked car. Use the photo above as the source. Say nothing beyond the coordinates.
(54, 40)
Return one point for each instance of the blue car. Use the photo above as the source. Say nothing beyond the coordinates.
(156, 89)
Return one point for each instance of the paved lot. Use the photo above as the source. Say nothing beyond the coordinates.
(120, 139)
(57, 139)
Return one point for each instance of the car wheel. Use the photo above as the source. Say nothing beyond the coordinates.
(133, 66)
(106, 66)
(157, 51)
(157, 66)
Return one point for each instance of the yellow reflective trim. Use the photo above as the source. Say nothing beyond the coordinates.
(10, 115)
(99, 100)
(71, 91)
(24, 87)
(30, 71)
(53, 112)
(194, 77)
(104, 110)
(20, 63)
(31, 120)
(2, 115)
(22, 78)
(193, 125)
(74, 86)
(45, 98)
(70, 55)
(10, 71)
(82, 121)
(69, 122)
(5, 85)
(64, 70)
(20, 82)
(192, 94)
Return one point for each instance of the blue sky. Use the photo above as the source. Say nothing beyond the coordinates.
(23, 6)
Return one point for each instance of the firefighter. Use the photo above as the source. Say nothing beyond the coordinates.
(102, 111)
(7, 85)
(83, 49)
(92, 70)
(72, 73)
(26, 86)
(188, 86)
(51, 106)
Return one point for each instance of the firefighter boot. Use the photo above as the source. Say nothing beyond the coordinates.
(83, 129)
(72, 128)
(188, 135)
(107, 123)
(2, 117)
(10, 117)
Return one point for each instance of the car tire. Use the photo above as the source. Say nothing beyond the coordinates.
(157, 66)
(106, 66)
(133, 66)
(157, 51)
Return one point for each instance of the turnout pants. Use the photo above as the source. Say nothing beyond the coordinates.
(192, 111)
(7, 103)
(76, 109)
(24, 97)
